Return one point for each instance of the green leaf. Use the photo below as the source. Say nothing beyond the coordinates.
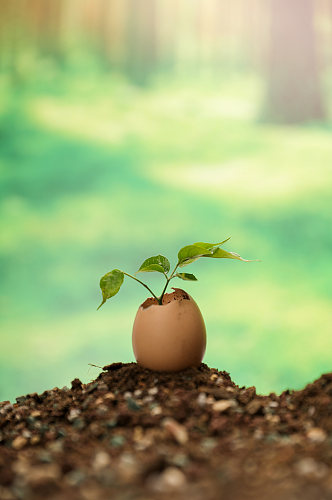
(219, 253)
(190, 253)
(151, 268)
(186, 276)
(157, 263)
(210, 246)
(110, 284)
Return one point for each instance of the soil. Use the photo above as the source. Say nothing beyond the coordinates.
(134, 434)
(178, 294)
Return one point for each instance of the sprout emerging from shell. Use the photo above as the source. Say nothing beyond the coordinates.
(111, 282)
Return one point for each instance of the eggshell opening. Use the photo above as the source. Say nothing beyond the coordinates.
(171, 336)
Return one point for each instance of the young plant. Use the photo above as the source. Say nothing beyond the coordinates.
(111, 282)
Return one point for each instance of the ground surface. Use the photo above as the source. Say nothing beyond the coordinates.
(137, 434)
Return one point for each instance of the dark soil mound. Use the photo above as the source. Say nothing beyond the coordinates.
(136, 434)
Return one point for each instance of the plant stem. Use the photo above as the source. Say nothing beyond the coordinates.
(141, 282)
(160, 299)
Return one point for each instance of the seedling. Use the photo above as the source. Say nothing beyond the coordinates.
(111, 282)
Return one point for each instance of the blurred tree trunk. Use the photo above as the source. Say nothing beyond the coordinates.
(294, 94)
(141, 41)
(48, 16)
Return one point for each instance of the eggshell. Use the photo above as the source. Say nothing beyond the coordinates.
(169, 337)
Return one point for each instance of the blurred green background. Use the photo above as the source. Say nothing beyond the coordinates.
(129, 129)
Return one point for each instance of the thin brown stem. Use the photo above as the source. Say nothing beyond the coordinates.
(141, 282)
(160, 299)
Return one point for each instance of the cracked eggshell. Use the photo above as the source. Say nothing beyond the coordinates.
(169, 337)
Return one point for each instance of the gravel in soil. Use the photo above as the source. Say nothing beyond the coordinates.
(137, 434)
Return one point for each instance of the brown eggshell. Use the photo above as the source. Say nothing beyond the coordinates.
(169, 337)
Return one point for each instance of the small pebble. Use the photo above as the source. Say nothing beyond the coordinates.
(95, 429)
(179, 460)
(170, 479)
(35, 439)
(153, 391)
(258, 434)
(156, 410)
(201, 399)
(208, 443)
(147, 399)
(26, 434)
(73, 414)
(220, 393)
(35, 414)
(55, 446)
(246, 395)
(311, 411)
(254, 406)
(127, 467)
(117, 441)
(296, 438)
(79, 423)
(19, 442)
(142, 441)
(101, 460)
(132, 405)
(101, 409)
(112, 422)
(92, 387)
(21, 399)
(178, 431)
(75, 477)
(310, 468)
(316, 435)
(44, 456)
(109, 395)
(273, 419)
(222, 405)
